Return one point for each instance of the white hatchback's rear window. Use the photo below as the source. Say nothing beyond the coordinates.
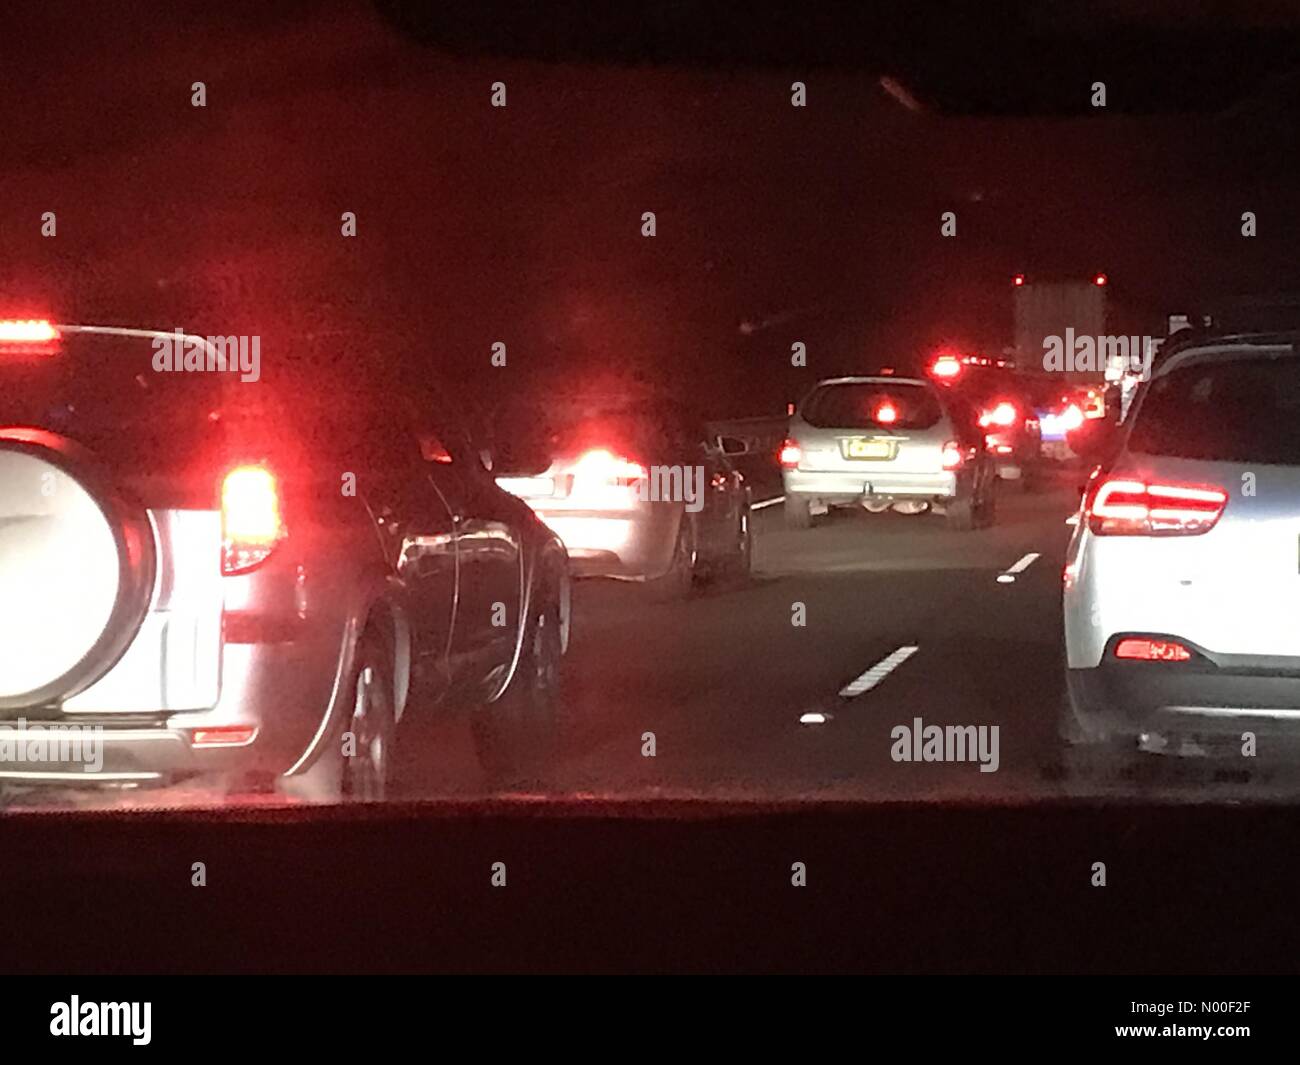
(862, 405)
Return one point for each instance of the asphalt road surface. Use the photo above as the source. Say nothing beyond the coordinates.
(903, 620)
(744, 704)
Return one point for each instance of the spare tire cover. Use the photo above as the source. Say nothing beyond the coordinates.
(61, 574)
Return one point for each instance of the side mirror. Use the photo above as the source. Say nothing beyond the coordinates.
(733, 445)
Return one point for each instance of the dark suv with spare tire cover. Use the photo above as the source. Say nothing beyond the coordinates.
(206, 577)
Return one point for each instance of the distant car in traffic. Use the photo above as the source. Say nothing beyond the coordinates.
(1183, 573)
(885, 442)
(1006, 413)
(635, 488)
(1062, 408)
(215, 585)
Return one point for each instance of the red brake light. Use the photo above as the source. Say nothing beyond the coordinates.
(952, 455)
(886, 414)
(790, 455)
(1003, 415)
(1099, 280)
(945, 366)
(1146, 650)
(604, 467)
(1118, 507)
(26, 331)
(1018, 280)
(251, 524)
(223, 736)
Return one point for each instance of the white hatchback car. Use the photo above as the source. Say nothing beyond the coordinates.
(1182, 578)
(887, 443)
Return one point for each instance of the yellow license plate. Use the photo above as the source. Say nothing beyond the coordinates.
(869, 449)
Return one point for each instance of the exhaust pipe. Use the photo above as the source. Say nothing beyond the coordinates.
(911, 506)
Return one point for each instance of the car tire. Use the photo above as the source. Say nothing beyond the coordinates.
(986, 512)
(740, 564)
(372, 724)
(798, 515)
(960, 514)
(337, 776)
(518, 733)
(679, 580)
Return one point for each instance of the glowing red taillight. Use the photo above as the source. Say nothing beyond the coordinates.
(602, 467)
(26, 331)
(1121, 507)
(952, 455)
(1003, 415)
(945, 366)
(1146, 650)
(886, 414)
(223, 736)
(789, 455)
(251, 522)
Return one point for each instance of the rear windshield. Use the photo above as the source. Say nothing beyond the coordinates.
(646, 430)
(104, 393)
(859, 406)
(1237, 410)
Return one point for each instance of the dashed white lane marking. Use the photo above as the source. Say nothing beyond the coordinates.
(1007, 576)
(1073, 519)
(877, 673)
(767, 503)
(814, 717)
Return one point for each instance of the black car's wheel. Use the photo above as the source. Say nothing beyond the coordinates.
(739, 561)
(369, 754)
(744, 564)
(986, 509)
(797, 513)
(960, 513)
(519, 732)
(679, 580)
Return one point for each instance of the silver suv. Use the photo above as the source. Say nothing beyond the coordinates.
(202, 579)
(884, 443)
(1183, 574)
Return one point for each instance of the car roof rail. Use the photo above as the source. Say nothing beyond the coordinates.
(1193, 337)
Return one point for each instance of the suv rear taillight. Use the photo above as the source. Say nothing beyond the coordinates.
(789, 455)
(952, 455)
(251, 523)
(1120, 507)
(1141, 649)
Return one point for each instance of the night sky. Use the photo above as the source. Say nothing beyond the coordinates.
(775, 224)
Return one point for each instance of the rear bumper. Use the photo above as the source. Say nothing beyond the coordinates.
(281, 692)
(633, 544)
(1196, 700)
(90, 753)
(853, 486)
